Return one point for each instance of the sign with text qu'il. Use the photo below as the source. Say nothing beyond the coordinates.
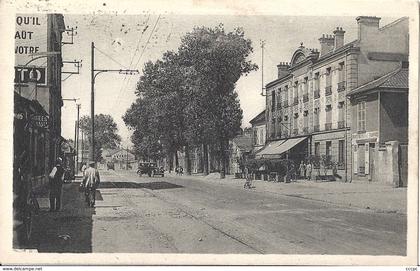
(30, 36)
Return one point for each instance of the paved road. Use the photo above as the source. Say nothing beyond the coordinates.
(181, 215)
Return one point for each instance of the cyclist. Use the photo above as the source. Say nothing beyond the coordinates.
(91, 180)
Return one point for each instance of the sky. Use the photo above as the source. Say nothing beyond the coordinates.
(129, 41)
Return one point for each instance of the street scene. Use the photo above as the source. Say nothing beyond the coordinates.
(165, 133)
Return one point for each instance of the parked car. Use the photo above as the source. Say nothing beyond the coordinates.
(150, 168)
(110, 165)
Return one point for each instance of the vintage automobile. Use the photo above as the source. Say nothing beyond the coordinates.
(150, 168)
(110, 165)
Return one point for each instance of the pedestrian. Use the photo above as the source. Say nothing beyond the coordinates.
(56, 178)
(309, 171)
(91, 181)
(83, 168)
(302, 169)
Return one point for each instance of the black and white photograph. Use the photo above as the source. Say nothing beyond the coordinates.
(210, 133)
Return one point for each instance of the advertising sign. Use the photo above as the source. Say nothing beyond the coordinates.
(39, 121)
(30, 36)
(23, 74)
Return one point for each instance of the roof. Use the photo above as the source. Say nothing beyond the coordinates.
(397, 79)
(243, 142)
(259, 118)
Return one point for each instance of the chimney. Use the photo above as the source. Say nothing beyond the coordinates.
(283, 69)
(338, 37)
(367, 25)
(327, 43)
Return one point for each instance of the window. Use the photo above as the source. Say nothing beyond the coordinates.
(316, 151)
(361, 116)
(305, 120)
(341, 72)
(273, 127)
(273, 100)
(316, 81)
(255, 136)
(341, 152)
(305, 85)
(328, 77)
(328, 148)
(340, 115)
(328, 110)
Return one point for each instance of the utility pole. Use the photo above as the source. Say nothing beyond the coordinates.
(127, 156)
(92, 103)
(82, 147)
(262, 68)
(93, 74)
(77, 139)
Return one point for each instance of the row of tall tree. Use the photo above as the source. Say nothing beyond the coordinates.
(187, 98)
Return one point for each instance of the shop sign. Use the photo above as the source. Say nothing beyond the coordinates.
(40, 121)
(24, 74)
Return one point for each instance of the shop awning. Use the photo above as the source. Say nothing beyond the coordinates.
(277, 148)
(269, 149)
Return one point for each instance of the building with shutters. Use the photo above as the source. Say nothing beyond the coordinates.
(308, 114)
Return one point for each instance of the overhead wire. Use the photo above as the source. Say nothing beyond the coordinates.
(105, 54)
(141, 55)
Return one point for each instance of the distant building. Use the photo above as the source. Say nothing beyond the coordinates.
(240, 147)
(307, 112)
(379, 112)
(120, 157)
(259, 131)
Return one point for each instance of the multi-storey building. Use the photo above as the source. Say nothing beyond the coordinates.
(307, 111)
(38, 64)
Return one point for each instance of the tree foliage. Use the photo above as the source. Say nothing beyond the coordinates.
(106, 133)
(188, 97)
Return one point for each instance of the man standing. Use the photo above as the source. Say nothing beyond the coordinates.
(309, 171)
(91, 181)
(56, 179)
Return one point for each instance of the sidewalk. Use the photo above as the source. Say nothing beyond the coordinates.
(377, 197)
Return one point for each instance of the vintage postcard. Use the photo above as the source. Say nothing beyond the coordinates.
(209, 132)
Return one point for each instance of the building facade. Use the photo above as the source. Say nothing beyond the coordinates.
(38, 65)
(259, 131)
(380, 132)
(308, 101)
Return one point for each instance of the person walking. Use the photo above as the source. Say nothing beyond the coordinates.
(309, 171)
(91, 181)
(56, 178)
(302, 169)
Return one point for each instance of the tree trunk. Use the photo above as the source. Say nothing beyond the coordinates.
(176, 159)
(206, 159)
(187, 160)
(222, 159)
(171, 162)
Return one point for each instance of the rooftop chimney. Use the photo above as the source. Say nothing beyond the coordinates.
(283, 69)
(367, 25)
(327, 43)
(338, 37)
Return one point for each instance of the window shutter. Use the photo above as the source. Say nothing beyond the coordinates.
(367, 158)
(355, 167)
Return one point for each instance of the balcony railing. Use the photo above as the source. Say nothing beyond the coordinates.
(316, 94)
(305, 130)
(305, 98)
(285, 104)
(328, 91)
(295, 131)
(316, 128)
(340, 124)
(285, 134)
(295, 100)
(341, 86)
(328, 126)
(278, 105)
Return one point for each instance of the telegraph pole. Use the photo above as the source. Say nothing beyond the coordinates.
(93, 74)
(92, 104)
(77, 140)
